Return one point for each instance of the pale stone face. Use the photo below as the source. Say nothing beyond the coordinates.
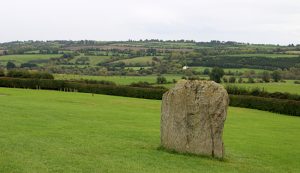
(193, 116)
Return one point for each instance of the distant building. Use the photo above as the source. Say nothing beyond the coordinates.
(185, 67)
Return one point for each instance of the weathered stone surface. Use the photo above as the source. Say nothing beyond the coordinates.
(193, 116)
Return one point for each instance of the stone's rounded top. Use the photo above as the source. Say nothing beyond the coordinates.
(193, 84)
(197, 82)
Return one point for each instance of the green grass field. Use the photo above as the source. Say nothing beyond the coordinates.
(93, 60)
(267, 55)
(50, 131)
(18, 59)
(234, 70)
(146, 60)
(122, 80)
(288, 87)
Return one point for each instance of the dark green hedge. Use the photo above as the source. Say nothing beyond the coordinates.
(289, 107)
(237, 90)
(17, 73)
(283, 106)
(127, 91)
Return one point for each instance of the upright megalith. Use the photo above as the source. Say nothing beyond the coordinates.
(193, 116)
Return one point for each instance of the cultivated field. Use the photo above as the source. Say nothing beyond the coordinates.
(50, 131)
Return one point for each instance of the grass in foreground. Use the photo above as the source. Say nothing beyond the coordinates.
(50, 131)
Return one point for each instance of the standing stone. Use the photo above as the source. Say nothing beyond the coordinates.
(193, 116)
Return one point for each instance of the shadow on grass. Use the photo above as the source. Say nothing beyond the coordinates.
(171, 151)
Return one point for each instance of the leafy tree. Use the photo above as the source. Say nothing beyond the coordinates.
(232, 79)
(28, 65)
(2, 72)
(240, 80)
(266, 76)
(10, 65)
(276, 75)
(206, 71)
(161, 80)
(251, 80)
(216, 74)
(225, 79)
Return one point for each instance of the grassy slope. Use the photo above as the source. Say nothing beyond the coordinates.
(48, 131)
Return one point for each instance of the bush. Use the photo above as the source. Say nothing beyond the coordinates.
(18, 74)
(232, 79)
(250, 80)
(289, 107)
(193, 77)
(161, 80)
(145, 85)
(2, 73)
(235, 90)
(272, 104)
(297, 82)
(27, 74)
(216, 74)
(103, 82)
(28, 65)
(127, 91)
(10, 65)
(276, 76)
(266, 76)
(41, 75)
(240, 80)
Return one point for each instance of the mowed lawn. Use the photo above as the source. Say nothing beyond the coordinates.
(50, 131)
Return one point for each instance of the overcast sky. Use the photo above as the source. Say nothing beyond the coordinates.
(254, 21)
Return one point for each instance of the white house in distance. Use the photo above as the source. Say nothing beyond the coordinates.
(185, 67)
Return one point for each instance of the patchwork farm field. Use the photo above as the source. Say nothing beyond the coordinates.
(50, 131)
(267, 55)
(122, 80)
(18, 59)
(233, 70)
(147, 60)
